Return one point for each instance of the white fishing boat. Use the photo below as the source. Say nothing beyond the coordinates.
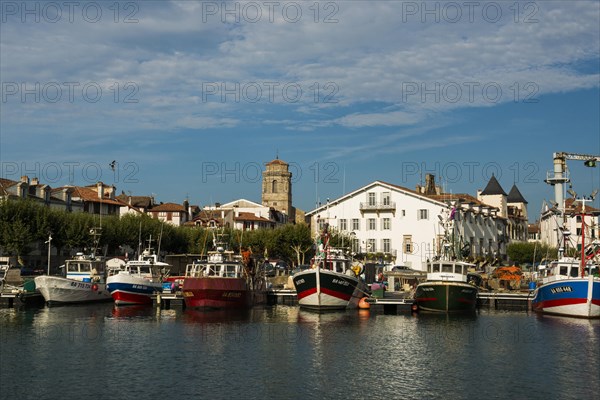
(83, 280)
(570, 286)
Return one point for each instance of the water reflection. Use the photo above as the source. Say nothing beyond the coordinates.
(133, 311)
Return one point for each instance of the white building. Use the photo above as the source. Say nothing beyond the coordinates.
(404, 226)
(241, 214)
(385, 218)
(556, 225)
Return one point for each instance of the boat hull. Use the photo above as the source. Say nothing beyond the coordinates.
(322, 289)
(446, 297)
(128, 289)
(216, 293)
(59, 290)
(569, 297)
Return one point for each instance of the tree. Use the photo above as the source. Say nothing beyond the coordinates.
(523, 252)
(16, 238)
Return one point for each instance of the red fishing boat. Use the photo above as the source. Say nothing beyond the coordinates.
(223, 280)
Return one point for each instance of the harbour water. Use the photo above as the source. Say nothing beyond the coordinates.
(281, 352)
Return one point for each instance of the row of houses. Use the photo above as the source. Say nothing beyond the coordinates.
(101, 199)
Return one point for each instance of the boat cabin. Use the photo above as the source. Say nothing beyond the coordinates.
(226, 269)
(566, 268)
(444, 270)
(85, 269)
(335, 261)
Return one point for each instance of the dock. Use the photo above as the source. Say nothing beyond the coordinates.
(402, 301)
(166, 300)
(16, 298)
(504, 300)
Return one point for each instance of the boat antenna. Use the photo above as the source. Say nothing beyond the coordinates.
(140, 240)
(160, 238)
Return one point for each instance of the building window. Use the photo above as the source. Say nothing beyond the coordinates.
(385, 198)
(321, 224)
(343, 225)
(371, 226)
(404, 213)
(355, 245)
(386, 224)
(355, 224)
(274, 186)
(422, 214)
(407, 244)
(386, 245)
(169, 216)
(371, 247)
(371, 198)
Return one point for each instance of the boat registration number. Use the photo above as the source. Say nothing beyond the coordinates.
(81, 285)
(561, 289)
(340, 282)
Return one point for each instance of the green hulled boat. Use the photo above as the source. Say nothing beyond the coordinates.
(449, 288)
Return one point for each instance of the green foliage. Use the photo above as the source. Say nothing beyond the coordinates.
(523, 252)
(24, 222)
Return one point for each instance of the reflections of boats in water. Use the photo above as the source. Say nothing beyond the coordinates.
(133, 311)
(217, 316)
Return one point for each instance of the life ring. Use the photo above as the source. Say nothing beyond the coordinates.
(94, 287)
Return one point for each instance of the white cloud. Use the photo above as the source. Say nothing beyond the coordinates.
(376, 53)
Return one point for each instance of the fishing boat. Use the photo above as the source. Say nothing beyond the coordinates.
(332, 282)
(83, 280)
(571, 287)
(449, 287)
(224, 280)
(138, 280)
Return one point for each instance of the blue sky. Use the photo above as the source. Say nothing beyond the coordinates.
(192, 98)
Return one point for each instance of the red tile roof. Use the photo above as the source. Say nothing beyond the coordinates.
(168, 207)
(248, 216)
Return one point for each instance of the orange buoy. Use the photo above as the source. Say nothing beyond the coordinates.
(94, 287)
(363, 305)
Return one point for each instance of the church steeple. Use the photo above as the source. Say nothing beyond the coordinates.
(277, 187)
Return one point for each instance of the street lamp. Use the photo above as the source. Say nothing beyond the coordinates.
(49, 241)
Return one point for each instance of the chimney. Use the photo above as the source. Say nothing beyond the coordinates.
(46, 191)
(25, 179)
(100, 189)
(35, 181)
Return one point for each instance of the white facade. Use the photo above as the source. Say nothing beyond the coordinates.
(385, 218)
(552, 227)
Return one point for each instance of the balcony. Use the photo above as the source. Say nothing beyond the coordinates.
(389, 206)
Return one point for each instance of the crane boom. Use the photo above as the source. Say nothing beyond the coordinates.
(576, 156)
